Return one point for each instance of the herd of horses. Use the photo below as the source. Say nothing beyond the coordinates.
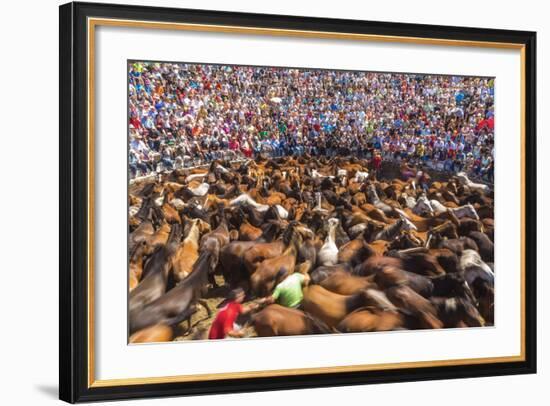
(382, 254)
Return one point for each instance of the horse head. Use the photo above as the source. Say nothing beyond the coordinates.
(406, 224)
(371, 194)
(423, 205)
(202, 225)
(471, 211)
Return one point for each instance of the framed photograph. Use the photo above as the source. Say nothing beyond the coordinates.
(256, 202)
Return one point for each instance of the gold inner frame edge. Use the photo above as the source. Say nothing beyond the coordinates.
(92, 23)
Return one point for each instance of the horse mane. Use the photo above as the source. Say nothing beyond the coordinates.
(288, 234)
(134, 250)
(157, 215)
(143, 211)
(391, 229)
(147, 190)
(212, 166)
(271, 231)
(202, 266)
(175, 234)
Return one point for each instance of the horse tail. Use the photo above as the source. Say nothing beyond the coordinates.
(184, 315)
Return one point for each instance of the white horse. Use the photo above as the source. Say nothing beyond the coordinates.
(328, 254)
(423, 206)
(318, 207)
(178, 204)
(133, 210)
(200, 190)
(464, 180)
(221, 168)
(283, 213)
(438, 207)
(195, 176)
(473, 267)
(246, 200)
(465, 211)
(159, 201)
(408, 224)
(360, 176)
(357, 229)
(315, 174)
(373, 198)
(343, 175)
(341, 172)
(427, 206)
(409, 201)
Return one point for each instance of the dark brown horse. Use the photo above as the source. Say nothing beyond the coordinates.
(178, 304)
(232, 255)
(156, 272)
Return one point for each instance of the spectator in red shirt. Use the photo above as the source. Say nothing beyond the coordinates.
(134, 122)
(224, 324)
(247, 151)
(377, 161)
(275, 106)
(234, 144)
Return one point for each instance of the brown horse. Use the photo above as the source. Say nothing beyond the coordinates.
(380, 281)
(159, 238)
(232, 255)
(260, 252)
(345, 283)
(276, 320)
(407, 299)
(170, 214)
(247, 232)
(328, 306)
(214, 241)
(273, 270)
(391, 276)
(371, 319)
(355, 252)
(457, 312)
(142, 233)
(155, 334)
(188, 251)
(425, 224)
(135, 267)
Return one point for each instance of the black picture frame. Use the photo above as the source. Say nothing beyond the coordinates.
(74, 200)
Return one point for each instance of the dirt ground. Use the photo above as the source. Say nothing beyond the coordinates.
(200, 322)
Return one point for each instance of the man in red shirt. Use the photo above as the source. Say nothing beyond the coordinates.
(224, 323)
(377, 161)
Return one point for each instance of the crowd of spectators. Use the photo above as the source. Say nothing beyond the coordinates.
(187, 114)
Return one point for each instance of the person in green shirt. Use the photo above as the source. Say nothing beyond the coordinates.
(289, 292)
